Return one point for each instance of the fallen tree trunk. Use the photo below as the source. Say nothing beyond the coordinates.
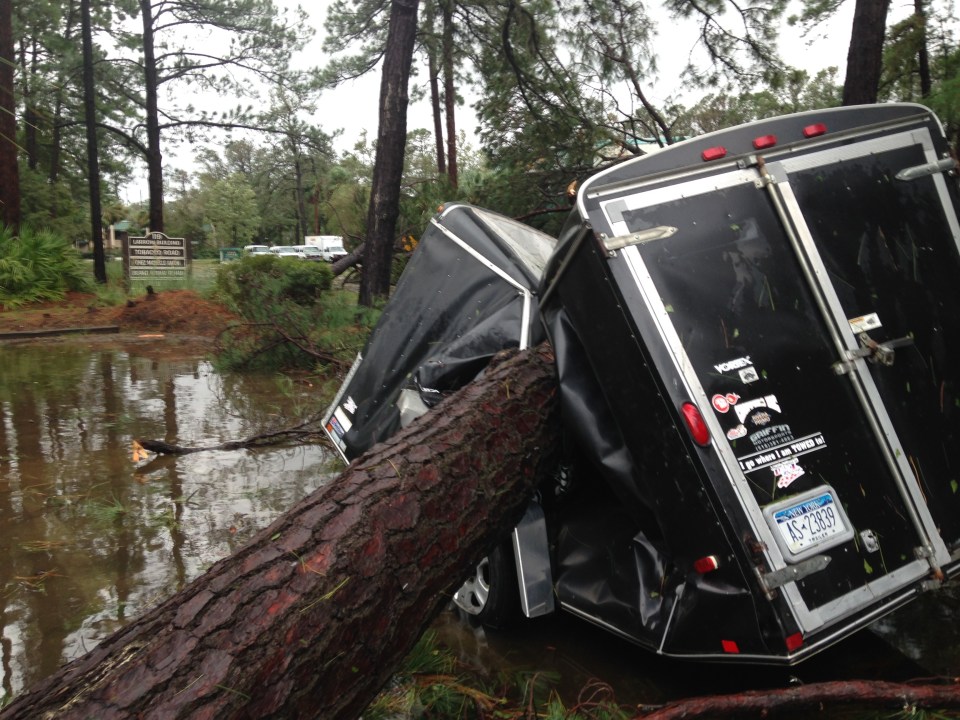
(311, 617)
(791, 702)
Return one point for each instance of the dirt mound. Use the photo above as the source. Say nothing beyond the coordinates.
(175, 311)
(181, 312)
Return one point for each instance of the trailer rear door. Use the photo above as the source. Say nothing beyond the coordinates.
(783, 290)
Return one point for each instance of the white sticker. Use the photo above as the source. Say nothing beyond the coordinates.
(786, 473)
(733, 364)
(349, 405)
(749, 375)
(743, 409)
(865, 322)
(738, 432)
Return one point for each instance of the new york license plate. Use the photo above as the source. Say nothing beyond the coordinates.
(809, 523)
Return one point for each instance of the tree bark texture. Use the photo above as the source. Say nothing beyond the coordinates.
(151, 90)
(310, 618)
(93, 153)
(9, 170)
(792, 702)
(865, 56)
(391, 146)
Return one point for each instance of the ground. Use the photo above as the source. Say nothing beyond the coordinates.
(177, 312)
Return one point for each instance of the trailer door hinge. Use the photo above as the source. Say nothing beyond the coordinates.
(772, 580)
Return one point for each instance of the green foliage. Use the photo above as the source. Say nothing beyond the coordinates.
(231, 208)
(37, 265)
(291, 317)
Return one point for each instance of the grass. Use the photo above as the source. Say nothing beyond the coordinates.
(201, 280)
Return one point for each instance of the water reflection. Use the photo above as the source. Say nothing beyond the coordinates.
(92, 538)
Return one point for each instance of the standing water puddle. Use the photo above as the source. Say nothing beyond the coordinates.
(91, 538)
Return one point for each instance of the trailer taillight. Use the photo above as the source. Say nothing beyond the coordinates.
(764, 141)
(729, 646)
(814, 130)
(695, 424)
(794, 641)
(706, 564)
(714, 153)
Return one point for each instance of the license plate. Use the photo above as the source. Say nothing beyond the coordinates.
(810, 522)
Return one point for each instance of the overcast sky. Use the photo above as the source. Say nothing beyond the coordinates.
(353, 106)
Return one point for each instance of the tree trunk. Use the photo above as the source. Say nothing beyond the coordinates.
(9, 170)
(450, 94)
(310, 618)
(923, 54)
(391, 145)
(93, 156)
(430, 47)
(865, 56)
(151, 88)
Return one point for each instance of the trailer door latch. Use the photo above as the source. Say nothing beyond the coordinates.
(873, 351)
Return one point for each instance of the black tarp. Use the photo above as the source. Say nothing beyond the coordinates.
(466, 293)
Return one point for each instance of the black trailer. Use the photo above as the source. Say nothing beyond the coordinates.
(757, 335)
(467, 292)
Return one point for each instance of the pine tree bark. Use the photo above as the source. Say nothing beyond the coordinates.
(9, 169)
(865, 55)
(310, 618)
(391, 146)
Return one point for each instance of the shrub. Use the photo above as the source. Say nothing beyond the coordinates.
(291, 318)
(253, 282)
(37, 265)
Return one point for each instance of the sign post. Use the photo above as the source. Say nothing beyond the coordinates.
(155, 257)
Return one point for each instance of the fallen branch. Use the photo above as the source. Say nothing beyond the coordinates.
(299, 432)
(789, 702)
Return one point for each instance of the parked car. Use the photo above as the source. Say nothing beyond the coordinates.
(757, 335)
(256, 250)
(309, 252)
(285, 251)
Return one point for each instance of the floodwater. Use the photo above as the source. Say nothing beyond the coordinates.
(93, 537)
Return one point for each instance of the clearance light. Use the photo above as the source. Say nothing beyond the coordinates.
(729, 646)
(714, 153)
(814, 130)
(764, 141)
(706, 564)
(794, 641)
(695, 424)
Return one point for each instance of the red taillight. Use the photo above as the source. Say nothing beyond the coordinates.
(764, 141)
(814, 130)
(695, 424)
(794, 641)
(706, 564)
(714, 153)
(729, 646)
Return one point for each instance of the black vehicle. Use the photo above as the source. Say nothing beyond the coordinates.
(756, 335)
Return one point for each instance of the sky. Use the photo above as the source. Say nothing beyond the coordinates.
(353, 106)
(356, 102)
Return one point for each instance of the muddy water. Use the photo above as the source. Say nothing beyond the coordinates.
(92, 537)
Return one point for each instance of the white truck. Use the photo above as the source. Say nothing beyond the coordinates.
(331, 246)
